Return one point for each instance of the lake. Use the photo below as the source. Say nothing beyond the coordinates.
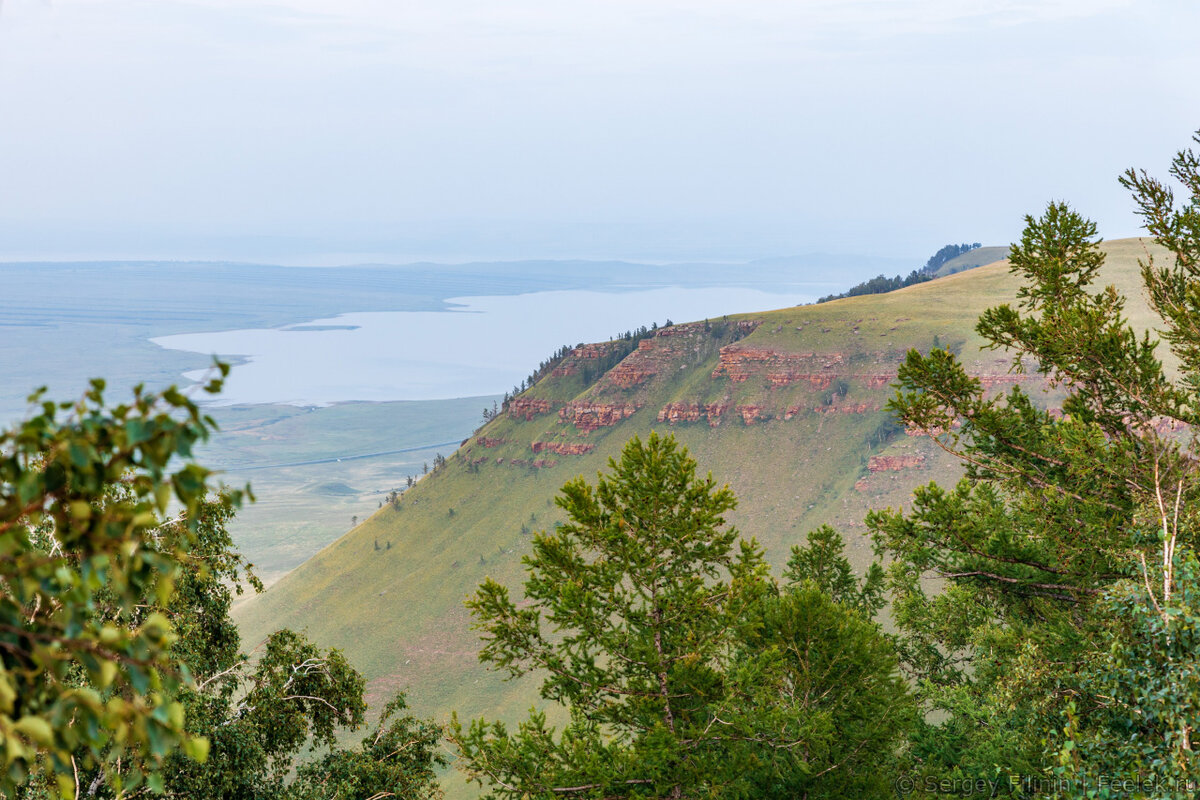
(479, 346)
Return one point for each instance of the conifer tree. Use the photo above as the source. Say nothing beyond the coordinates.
(683, 671)
(1056, 647)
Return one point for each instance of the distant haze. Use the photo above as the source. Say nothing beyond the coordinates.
(341, 131)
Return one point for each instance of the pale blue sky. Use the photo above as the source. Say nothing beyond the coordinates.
(305, 131)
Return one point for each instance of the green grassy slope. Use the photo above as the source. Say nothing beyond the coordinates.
(785, 406)
(306, 468)
(974, 258)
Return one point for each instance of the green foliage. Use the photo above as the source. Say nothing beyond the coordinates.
(397, 759)
(683, 671)
(948, 253)
(120, 668)
(1174, 288)
(1047, 653)
(258, 713)
(823, 565)
(258, 716)
(1146, 691)
(646, 547)
(826, 695)
(79, 689)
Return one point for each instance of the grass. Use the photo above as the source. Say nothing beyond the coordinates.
(973, 258)
(301, 509)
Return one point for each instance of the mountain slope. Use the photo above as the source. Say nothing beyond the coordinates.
(786, 406)
(978, 257)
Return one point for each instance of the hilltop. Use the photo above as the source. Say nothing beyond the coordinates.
(786, 406)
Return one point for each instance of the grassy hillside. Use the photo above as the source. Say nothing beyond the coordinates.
(785, 406)
(307, 467)
(971, 259)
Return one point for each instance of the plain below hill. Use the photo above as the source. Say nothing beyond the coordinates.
(786, 406)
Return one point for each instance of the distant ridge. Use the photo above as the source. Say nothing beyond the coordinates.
(933, 268)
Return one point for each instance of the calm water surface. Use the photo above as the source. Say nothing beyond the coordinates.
(483, 345)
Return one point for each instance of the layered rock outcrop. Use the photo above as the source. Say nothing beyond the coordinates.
(563, 448)
(627, 374)
(527, 408)
(656, 355)
(752, 413)
(740, 362)
(674, 413)
(588, 416)
(894, 463)
(585, 352)
(848, 408)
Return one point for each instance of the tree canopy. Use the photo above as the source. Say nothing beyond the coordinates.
(1059, 647)
(683, 670)
(120, 669)
(68, 541)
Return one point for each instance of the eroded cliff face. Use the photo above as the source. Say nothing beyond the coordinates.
(588, 416)
(674, 413)
(669, 349)
(563, 448)
(527, 408)
(660, 354)
(729, 375)
(582, 355)
(740, 362)
(894, 463)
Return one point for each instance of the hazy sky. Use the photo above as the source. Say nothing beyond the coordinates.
(331, 130)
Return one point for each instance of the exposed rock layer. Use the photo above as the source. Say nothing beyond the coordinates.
(588, 416)
(894, 463)
(563, 448)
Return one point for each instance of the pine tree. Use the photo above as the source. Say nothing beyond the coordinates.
(660, 631)
(1067, 551)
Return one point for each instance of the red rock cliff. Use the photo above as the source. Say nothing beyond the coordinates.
(894, 463)
(588, 416)
(527, 408)
(563, 448)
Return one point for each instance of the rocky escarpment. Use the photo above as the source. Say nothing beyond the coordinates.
(752, 413)
(563, 448)
(588, 416)
(674, 413)
(583, 354)
(740, 362)
(527, 408)
(682, 413)
(666, 351)
(894, 463)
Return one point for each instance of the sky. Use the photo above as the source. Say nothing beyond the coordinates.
(340, 131)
